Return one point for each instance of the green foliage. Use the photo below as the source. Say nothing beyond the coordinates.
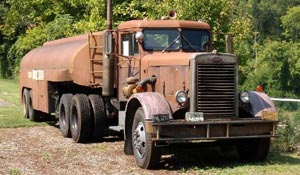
(290, 23)
(289, 132)
(276, 69)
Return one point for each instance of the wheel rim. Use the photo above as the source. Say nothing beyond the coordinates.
(139, 140)
(74, 124)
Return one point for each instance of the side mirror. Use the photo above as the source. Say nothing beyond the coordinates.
(139, 36)
(108, 47)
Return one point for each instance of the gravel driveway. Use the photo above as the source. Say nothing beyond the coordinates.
(42, 151)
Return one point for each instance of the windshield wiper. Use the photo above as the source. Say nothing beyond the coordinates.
(171, 43)
(190, 44)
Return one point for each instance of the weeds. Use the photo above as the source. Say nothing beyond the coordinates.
(14, 172)
(289, 132)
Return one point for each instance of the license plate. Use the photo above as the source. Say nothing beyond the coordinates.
(194, 116)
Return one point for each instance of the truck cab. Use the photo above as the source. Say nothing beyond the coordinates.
(177, 89)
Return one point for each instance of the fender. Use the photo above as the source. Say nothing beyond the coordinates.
(153, 103)
(260, 102)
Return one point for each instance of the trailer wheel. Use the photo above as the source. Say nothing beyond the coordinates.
(98, 116)
(81, 123)
(64, 114)
(253, 149)
(147, 156)
(32, 113)
(26, 96)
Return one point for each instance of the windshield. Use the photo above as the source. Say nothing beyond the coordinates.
(195, 40)
(190, 40)
(160, 39)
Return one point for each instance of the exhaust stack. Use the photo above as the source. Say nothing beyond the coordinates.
(109, 15)
(108, 60)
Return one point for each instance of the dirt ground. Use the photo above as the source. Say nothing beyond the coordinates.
(42, 151)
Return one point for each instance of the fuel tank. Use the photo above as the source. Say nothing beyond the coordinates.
(61, 60)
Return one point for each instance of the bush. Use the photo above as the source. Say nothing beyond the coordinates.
(289, 132)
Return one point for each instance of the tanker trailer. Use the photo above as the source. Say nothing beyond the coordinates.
(50, 76)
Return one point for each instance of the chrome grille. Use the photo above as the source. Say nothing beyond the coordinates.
(215, 95)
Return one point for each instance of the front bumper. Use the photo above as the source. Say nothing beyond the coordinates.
(182, 130)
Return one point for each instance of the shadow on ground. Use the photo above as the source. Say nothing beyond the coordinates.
(181, 157)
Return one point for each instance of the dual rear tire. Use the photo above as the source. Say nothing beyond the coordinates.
(82, 117)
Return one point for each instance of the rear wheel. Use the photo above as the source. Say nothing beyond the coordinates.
(146, 154)
(33, 114)
(25, 99)
(64, 114)
(98, 116)
(80, 118)
(253, 149)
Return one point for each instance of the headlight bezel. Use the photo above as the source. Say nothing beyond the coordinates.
(244, 96)
(181, 97)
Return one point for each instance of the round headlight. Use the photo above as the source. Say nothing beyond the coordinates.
(245, 97)
(181, 96)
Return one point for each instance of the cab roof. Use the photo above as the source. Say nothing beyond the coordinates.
(163, 24)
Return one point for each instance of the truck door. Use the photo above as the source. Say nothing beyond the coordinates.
(129, 61)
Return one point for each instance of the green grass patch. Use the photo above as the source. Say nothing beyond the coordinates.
(11, 115)
(276, 163)
(9, 91)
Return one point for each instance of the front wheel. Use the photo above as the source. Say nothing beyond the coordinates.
(147, 156)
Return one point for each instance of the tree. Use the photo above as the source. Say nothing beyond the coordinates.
(290, 23)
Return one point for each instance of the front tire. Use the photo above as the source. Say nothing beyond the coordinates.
(64, 114)
(253, 150)
(80, 118)
(147, 156)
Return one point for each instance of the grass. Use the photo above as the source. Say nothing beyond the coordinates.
(11, 116)
(276, 164)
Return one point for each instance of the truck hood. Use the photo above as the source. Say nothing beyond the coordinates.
(168, 59)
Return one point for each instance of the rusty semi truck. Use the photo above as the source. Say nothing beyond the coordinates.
(158, 81)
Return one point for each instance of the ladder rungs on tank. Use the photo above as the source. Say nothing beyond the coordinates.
(96, 58)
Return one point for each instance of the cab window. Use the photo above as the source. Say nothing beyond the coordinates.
(129, 46)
